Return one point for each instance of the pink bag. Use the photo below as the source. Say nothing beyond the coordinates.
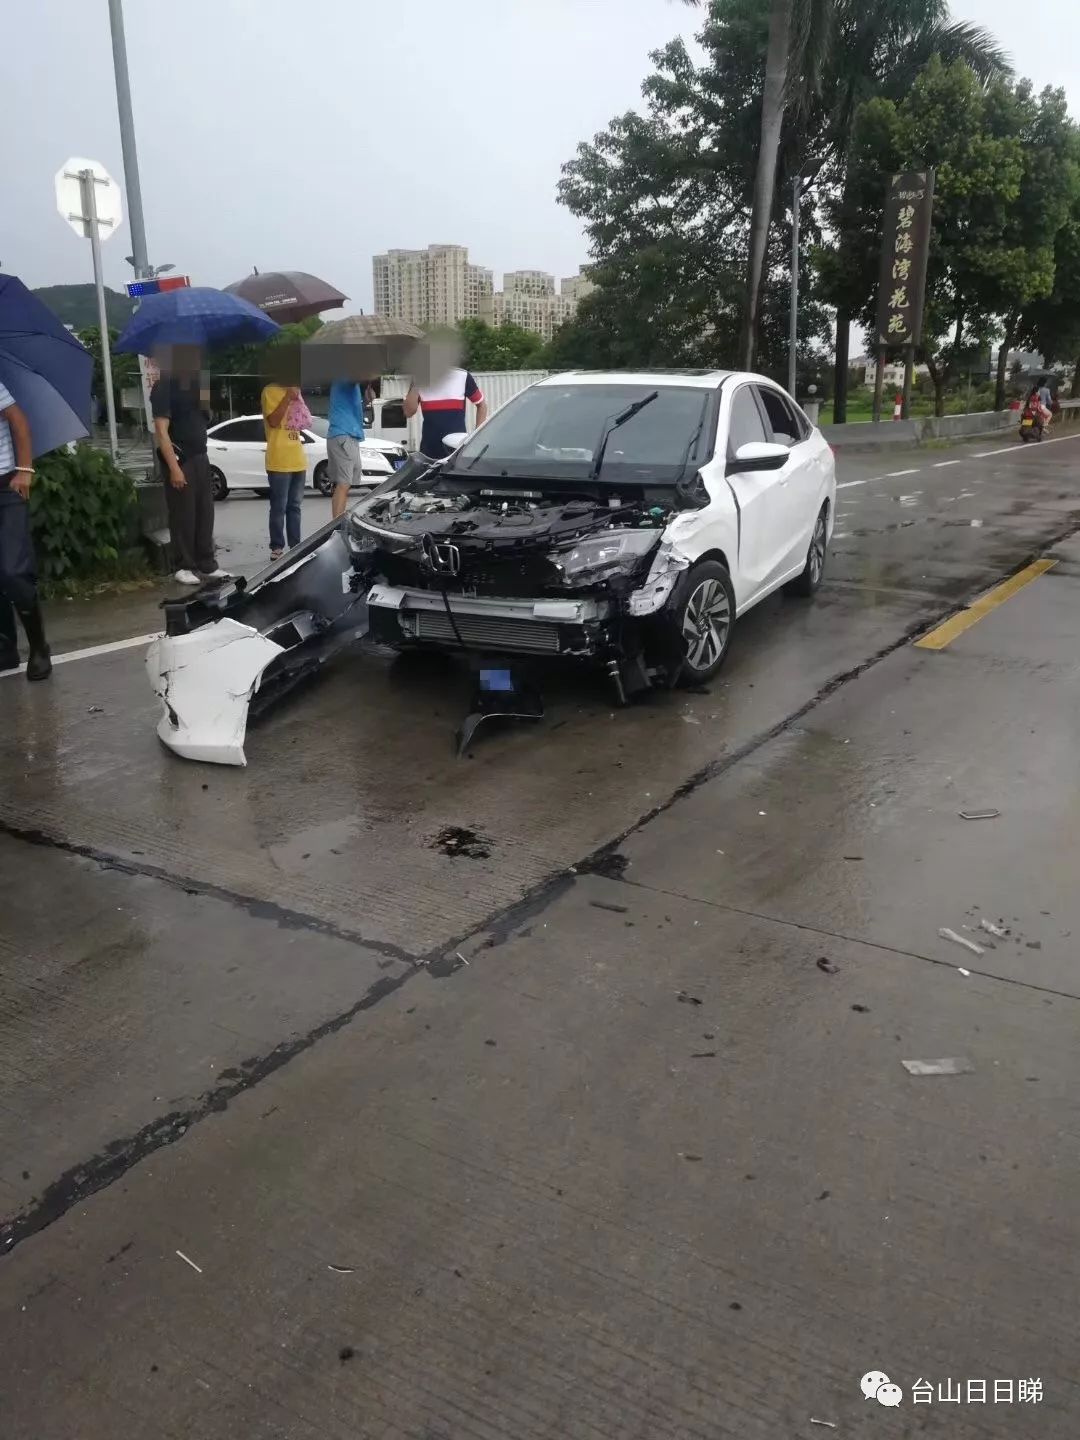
(297, 416)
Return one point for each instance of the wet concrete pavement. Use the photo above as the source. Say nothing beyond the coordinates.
(562, 1200)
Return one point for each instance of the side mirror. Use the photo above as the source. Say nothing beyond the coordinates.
(455, 441)
(758, 455)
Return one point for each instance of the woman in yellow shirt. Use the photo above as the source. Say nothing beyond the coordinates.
(286, 468)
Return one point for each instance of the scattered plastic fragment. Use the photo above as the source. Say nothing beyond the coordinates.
(604, 905)
(979, 814)
(948, 1066)
(966, 973)
(992, 929)
(947, 934)
(341, 1269)
(827, 966)
(684, 998)
(186, 1261)
(461, 957)
(827, 1423)
(690, 720)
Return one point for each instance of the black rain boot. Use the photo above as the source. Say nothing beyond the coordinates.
(39, 661)
(9, 640)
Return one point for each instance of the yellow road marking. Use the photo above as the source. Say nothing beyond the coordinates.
(979, 609)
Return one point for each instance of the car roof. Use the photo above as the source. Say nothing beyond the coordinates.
(696, 379)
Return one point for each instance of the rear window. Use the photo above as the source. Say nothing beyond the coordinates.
(555, 431)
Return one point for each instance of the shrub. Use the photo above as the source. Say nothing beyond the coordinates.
(81, 505)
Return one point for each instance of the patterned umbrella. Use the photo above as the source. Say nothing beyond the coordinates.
(287, 295)
(193, 316)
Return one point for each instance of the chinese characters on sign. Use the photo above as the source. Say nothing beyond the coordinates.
(908, 208)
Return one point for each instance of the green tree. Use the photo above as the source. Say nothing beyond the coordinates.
(501, 347)
(1052, 325)
(976, 141)
(125, 368)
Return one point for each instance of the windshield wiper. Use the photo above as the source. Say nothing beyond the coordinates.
(612, 425)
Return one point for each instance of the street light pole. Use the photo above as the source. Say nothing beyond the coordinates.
(89, 208)
(139, 255)
(127, 141)
(793, 327)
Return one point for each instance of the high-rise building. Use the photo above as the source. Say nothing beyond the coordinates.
(438, 286)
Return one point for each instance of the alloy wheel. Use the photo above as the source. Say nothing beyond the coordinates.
(706, 622)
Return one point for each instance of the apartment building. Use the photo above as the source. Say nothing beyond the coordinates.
(436, 286)
(439, 286)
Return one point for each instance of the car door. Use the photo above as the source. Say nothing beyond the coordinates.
(798, 483)
(760, 500)
(238, 449)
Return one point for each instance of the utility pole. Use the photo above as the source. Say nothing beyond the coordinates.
(131, 174)
(793, 326)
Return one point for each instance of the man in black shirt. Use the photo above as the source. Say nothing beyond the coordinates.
(180, 435)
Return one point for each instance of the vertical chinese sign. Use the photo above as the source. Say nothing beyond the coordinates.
(908, 211)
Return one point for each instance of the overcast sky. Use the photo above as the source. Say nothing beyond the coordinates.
(311, 136)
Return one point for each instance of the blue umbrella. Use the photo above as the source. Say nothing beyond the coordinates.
(193, 315)
(43, 365)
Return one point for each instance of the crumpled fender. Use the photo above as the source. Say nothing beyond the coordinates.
(205, 681)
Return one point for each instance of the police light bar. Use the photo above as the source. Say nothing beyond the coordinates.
(136, 289)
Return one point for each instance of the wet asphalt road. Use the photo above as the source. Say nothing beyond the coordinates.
(557, 1092)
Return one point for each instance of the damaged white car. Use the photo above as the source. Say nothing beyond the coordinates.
(619, 520)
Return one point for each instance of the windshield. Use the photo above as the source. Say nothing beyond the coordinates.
(319, 426)
(554, 431)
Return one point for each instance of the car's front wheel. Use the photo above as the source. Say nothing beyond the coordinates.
(705, 613)
(814, 569)
(218, 484)
(321, 479)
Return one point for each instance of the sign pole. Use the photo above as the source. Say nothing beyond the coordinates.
(879, 383)
(793, 322)
(88, 182)
(909, 370)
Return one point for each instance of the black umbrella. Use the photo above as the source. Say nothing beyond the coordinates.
(287, 295)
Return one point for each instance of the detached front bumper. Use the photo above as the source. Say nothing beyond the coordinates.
(572, 628)
(205, 681)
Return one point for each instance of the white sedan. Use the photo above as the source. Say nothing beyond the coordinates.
(237, 453)
(624, 517)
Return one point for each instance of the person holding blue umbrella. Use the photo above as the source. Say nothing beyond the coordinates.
(175, 327)
(44, 403)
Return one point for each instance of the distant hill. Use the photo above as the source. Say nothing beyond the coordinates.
(77, 305)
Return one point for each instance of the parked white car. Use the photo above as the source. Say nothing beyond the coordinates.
(237, 453)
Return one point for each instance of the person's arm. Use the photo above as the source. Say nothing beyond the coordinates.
(165, 448)
(412, 402)
(21, 439)
(276, 418)
(476, 395)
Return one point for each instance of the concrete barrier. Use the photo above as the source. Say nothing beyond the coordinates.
(865, 435)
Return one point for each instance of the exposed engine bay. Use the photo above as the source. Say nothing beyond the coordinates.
(525, 567)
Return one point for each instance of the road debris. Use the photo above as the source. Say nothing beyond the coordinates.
(690, 720)
(827, 966)
(951, 1065)
(827, 1423)
(966, 973)
(196, 1268)
(606, 905)
(979, 814)
(342, 1269)
(956, 939)
(461, 957)
(685, 998)
(95, 709)
(992, 929)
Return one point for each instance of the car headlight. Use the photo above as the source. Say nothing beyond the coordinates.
(597, 557)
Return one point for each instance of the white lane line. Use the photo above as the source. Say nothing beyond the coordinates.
(942, 464)
(1011, 449)
(896, 474)
(850, 484)
(88, 654)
